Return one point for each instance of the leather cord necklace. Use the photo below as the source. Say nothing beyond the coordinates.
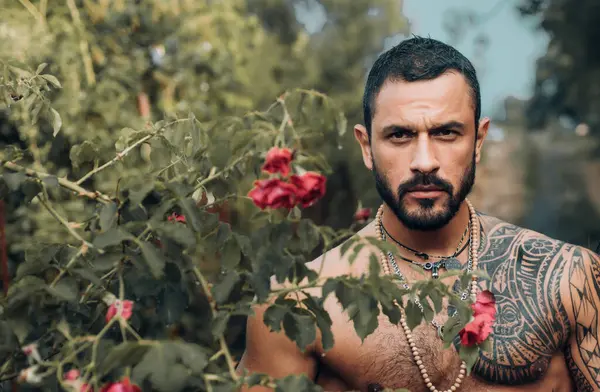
(446, 262)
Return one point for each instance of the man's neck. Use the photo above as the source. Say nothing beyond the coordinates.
(437, 242)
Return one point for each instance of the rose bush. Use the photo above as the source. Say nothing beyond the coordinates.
(150, 284)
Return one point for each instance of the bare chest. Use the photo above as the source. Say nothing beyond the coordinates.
(384, 360)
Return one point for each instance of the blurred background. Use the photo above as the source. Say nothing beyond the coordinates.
(124, 62)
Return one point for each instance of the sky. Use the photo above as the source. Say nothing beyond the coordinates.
(507, 67)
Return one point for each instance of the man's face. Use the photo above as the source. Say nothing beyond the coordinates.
(423, 148)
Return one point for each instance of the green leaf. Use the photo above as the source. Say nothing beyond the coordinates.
(230, 254)
(413, 314)
(347, 245)
(154, 260)
(296, 383)
(56, 122)
(40, 68)
(108, 216)
(469, 355)
(308, 234)
(65, 289)
(486, 345)
(255, 379)
(374, 265)
(111, 237)
(50, 181)
(191, 355)
(451, 329)
(52, 79)
(437, 299)
(158, 366)
(106, 261)
(355, 253)
(427, 311)
(31, 189)
(177, 232)
(125, 354)
(323, 320)
(88, 274)
(219, 323)
(273, 316)
(222, 290)
(14, 180)
(201, 221)
(300, 328)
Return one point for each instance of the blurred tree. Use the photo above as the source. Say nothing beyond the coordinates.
(568, 76)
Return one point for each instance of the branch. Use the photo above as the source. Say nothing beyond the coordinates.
(83, 44)
(62, 181)
(34, 11)
(62, 220)
(219, 173)
(126, 151)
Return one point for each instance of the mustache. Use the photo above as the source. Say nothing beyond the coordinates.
(425, 179)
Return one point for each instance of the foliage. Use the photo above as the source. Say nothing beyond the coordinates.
(137, 251)
(568, 74)
(126, 248)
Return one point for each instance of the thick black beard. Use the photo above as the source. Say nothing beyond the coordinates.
(425, 219)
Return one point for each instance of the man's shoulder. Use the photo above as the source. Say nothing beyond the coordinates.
(500, 234)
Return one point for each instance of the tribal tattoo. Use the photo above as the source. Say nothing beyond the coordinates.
(583, 354)
(526, 271)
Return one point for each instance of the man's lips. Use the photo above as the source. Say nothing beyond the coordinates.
(424, 192)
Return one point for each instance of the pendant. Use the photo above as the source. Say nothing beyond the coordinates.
(451, 264)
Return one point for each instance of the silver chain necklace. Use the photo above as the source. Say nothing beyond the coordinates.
(465, 294)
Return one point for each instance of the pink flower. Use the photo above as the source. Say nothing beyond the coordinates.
(278, 161)
(311, 187)
(124, 385)
(485, 303)
(477, 331)
(362, 215)
(122, 308)
(176, 218)
(484, 316)
(72, 375)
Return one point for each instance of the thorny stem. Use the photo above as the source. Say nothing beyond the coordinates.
(223, 349)
(69, 265)
(126, 151)
(61, 181)
(219, 173)
(62, 220)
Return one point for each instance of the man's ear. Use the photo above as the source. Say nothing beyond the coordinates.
(484, 125)
(362, 137)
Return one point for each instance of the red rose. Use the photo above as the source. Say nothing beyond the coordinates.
(476, 331)
(124, 308)
(485, 303)
(273, 193)
(362, 215)
(123, 386)
(278, 161)
(311, 187)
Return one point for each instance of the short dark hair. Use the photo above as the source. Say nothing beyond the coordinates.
(416, 59)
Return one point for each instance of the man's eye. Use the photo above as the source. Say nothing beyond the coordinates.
(445, 133)
(400, 135)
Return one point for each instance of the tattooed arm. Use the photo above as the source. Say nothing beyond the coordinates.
(583, 304)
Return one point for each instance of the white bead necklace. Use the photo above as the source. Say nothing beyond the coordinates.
(474, 258)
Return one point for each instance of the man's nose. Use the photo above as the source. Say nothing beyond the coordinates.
(424, 159)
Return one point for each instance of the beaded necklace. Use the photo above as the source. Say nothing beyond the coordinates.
(474, 259)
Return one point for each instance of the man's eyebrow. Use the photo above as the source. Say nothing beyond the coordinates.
(436, 127)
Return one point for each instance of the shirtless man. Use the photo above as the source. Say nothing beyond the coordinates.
(422, 139)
